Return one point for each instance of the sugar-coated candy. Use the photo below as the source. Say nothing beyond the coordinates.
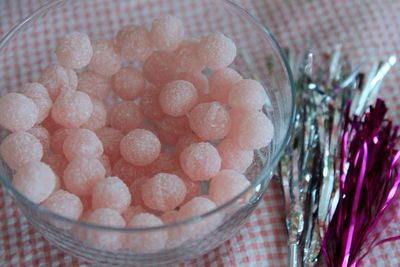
(171, 128)
(105, 161)
(58, 138)
(82, 174)
(178, 97)
(65, 204)
(128, 83)
(35, 180)
(233, 157)
(133, 42)
(200, 161)
(57, 163)
(74, 50)
(98, 118)
(58, 79)
(111, 193)
(150, 105)
(18, 112)
(186, 57)
(210, 121)
(71, 109)
(147, 241)
(160, 68)
(167, 32)
(42, 135)
(255, 131)
(110, 138)
(193, 188)
(175, 235)
(216, 51)
(105, 240)
(127, 172)
(93, 84)
(125, 116)
(165, 162)
(19, 148)
(221, 82)
(136, 190)
(186, 141)
(132, 211)
(38, 93)
(140, 147)
(105, 60)
(58, 183)
(82, 143)
(226, 185)
(163, 192)
(199, 81)
(247, 95)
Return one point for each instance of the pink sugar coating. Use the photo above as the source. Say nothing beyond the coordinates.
(74, 50)
(221, 82)
(171, 128)
(163, 192)
(105, 240)
(169, 216)
(87, 206)
(200, 82)
(125, 116)
(255, 131)
(58, 79)
(200, 161)
(178, 97)
(105, 161)
(58, 138)
(133, 42)
(42, 135)
(149, 241)
(65, 204)
(167, 32)
(82, 143)
(38, 93)
(111, 193)
(140, 147)
(233, 157)
(110, 138)
(186, 141)
(19, 113)
(56, 162)
(175, 234)
(128, 83)
(149, 104)
(19, 148)
(247, 95)
(35, 180)
(58, 183)
(81, 175)
(106, 60)
(136, 190)
(93, 84)
(165, 162)
(210, 121)
(160, 68)
(127, 172)
(72, 109)
(226, 185)
(132, 211)
(50, 125)
(216, 51)
(193, 188)
(98, 118)
(186, 57)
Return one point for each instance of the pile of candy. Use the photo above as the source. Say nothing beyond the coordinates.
(108, 144)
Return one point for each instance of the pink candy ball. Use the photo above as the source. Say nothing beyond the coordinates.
(105, 60)
(58, 138)
(226, 185)
(193, 188)
(140, 147)
(74, 50)
(82, 143)
(170, 128)
(125, 116)
(233, 157)
(199, 81)
(147, 241)
(132, 211)
(57, 163)
(136, 190)
(200, 161)
(58, 79)
(42, 135)
(178, 97)
(210, 121)
(82, 174)
(127, 172)
(35, 180)
(105, 161)
(65, 204)
(93, 84)
(186, 57)
(216, 51)
(72, 109)
(149, 104)
(111, 193)
(163, 192)
(186, 141)
(110, 138)
(128, 83)
(167, 33)
(255, 131)
(247, 95)
(19, 113)
(175, 234)
(98, 118)
(19, 148)
(221, 82)
(38, 93)
(160, 68)
(133, 42)
(166, 162)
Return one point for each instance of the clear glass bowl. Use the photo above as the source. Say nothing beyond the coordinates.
(29, 47)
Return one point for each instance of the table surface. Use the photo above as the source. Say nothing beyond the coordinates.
(368, 31)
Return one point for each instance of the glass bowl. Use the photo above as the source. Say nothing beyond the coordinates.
(29, 47)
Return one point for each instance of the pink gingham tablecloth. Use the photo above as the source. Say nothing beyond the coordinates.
(368, 30)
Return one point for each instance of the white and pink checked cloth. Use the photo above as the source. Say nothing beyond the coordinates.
(368, 30)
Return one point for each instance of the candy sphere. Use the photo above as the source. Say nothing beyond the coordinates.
(125, 116)
(98, 118)
(38, 93)
(128, 83)
(186, 57)
(74, 50)
(167, 32)
(111, 193)
(160, 68)
(106, 60)
(247, 95)
(128, 172)
(93, 84)
(82, 143)
(56, 162)
(58, 138)
(186, 141)
(65, 204)
(110, 138)
(133, 42)
(233, 157)
(150, 105)
(216, 51)
(170, 128)
(56, 79)
(178, 97)
(42, 135)
(221, 83)
(132, 211)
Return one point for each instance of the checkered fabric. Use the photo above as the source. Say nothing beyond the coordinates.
(368, 31)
